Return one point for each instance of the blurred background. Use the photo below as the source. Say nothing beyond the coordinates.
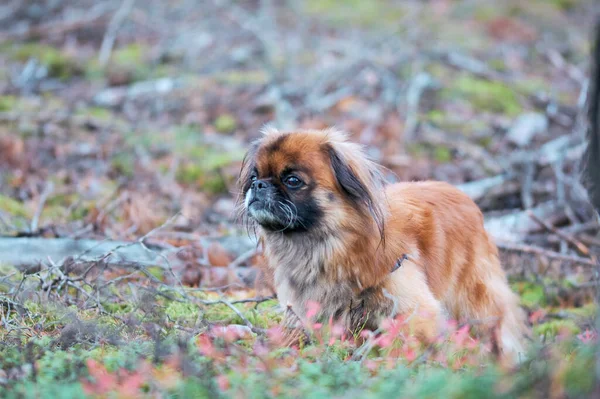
(123, 125)
(118, 117)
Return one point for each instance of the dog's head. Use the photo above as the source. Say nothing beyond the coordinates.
(310, 181)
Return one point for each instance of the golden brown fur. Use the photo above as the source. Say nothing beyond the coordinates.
(357, 230)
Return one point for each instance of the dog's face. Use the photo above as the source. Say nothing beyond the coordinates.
(309, 180)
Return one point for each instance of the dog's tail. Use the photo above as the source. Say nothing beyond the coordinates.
(591, 164)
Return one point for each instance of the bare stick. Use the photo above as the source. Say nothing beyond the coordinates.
(416, 88)
(236, 310)
(528, 249)
(111, 32)
(247, 300)
(577, 244)
(38, 212)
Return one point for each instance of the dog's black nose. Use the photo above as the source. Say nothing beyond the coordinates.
(260, 185)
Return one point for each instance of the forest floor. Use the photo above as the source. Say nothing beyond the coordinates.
(123, 125)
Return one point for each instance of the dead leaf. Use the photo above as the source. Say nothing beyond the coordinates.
(218, 256)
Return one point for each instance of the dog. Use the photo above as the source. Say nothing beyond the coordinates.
(336, 234)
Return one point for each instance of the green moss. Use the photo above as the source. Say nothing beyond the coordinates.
(53, 212)
(182, 312)
(130, 54)
(59, 64)
(417, 150)
(214, 184)
(485, 95)
(123, 163)
(485, 141)
(221, 314)
(532, 295)
(498, 64)
(264, 316)
(156, 271)
(215, 160)
(564, 5)
(193, 173)
(438, 153)
(204, 167)
(356, 12)
(555, 327)
(442, 154)
(436, 116)
(189, 173)
(13, 207)
(7, 103)
(225, 123)
(530, 85)
(484, 13)
(117, 307)
(128, 63)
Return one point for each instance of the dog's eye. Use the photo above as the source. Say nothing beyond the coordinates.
(253, 177)
(292, 182)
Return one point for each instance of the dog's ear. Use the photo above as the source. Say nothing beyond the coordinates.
(351, 185)
(359, 179)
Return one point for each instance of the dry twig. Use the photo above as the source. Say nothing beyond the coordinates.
(577, 244)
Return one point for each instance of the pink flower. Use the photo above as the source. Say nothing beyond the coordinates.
(206, 346)
(222, 382)
(312, 309)
(461, 335)
(275, 334)
(588, 337)
(536, 316)
(410, 354)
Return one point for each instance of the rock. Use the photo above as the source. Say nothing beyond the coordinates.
(237, 244)
(526, 127)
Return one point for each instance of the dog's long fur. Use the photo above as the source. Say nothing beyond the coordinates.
(345, 253)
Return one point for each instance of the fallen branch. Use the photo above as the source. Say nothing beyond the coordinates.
(577, 244)
(237, 311)
(113, 28)
(114, 96)
(29, 251)
(479, 188)
(247, 300)
(528, 249)
(515, 226)
(43, 197)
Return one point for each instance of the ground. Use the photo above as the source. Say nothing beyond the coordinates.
(123, 126)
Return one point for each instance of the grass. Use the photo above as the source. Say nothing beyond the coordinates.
(151, 341)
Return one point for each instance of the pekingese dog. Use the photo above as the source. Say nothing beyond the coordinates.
(335, 233)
